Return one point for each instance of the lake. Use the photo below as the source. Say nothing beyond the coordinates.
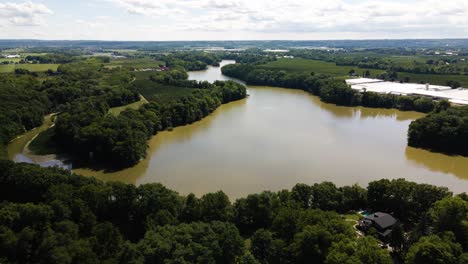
(279, 137)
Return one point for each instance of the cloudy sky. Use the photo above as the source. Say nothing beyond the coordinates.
(232, 19)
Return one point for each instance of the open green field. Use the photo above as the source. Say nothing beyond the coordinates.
(115, 111)
(155, 92)
(299, 65)
(17, 50)
(31, 67)
(10, 60)
(135, 63)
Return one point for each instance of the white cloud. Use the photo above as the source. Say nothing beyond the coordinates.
(235, 19)
(23, 14)
(306, 15)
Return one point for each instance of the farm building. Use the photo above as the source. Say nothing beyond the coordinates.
(12, 56)
(437, 92)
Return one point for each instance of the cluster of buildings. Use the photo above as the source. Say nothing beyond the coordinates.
(436, 92)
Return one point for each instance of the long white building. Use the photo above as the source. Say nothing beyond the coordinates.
(456, 96)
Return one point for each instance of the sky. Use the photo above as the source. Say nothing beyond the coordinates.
(160, 20)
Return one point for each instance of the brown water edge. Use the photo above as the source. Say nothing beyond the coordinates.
(278, 137)
(18, 149)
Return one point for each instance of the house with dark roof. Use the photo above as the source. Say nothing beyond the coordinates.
(382, 222)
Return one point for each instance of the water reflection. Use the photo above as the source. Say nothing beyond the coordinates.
(437, 162)
(365, 112)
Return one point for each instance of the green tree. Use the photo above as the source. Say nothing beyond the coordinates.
(451, 214)
(247, 258)
(311, 245)
(215, 206)
(364, 250)
(433, 249)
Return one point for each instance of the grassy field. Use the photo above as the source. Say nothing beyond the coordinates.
(154, 92)
(31, 67)
(299, 65)
(17, 50)
(117, 110)
(10, 60)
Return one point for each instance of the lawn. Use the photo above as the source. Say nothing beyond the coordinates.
(31, 67)
(155, 92)
(115, 111)
(299, 65)
(352, 218)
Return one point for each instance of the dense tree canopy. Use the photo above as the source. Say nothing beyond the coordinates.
(54, 216)
(445, 131)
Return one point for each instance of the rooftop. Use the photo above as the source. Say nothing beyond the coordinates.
(382, 220)
(457, 96)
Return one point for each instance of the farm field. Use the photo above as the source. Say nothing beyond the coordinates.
(299, 65)
(6, 68)
(10, 59)
(154, 92)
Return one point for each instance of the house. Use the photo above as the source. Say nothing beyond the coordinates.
(382, 222)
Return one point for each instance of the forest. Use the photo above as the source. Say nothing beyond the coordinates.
(49, 215)
(442, 131)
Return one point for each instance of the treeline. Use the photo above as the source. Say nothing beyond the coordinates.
(190, 60)
(58, 58)
(250, 56)
(85, 129)
(443, 131)
(49, 215)
(330, 90)
(22, 107)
